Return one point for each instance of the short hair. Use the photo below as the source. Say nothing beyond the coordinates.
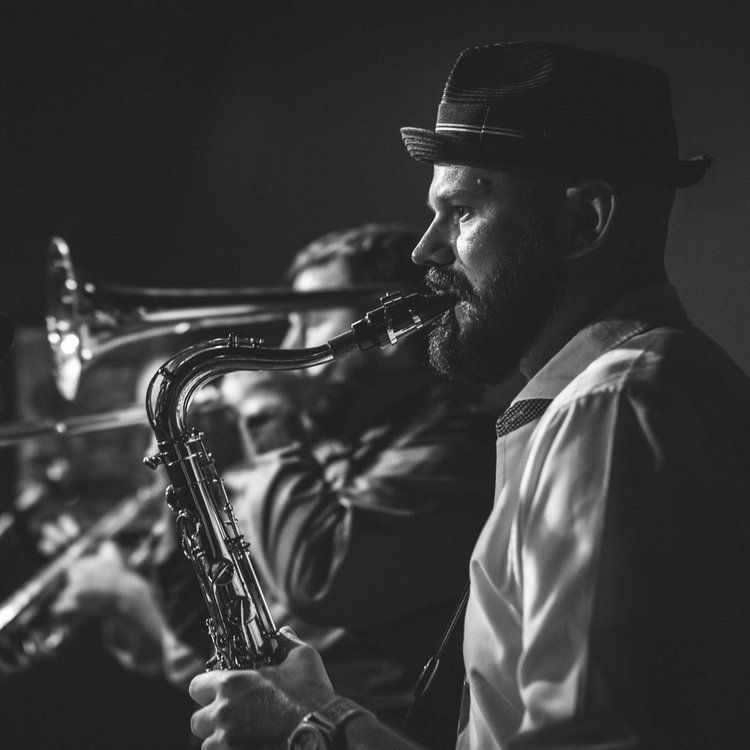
(372, 253)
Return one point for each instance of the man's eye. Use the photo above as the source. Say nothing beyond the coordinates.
(461, 212)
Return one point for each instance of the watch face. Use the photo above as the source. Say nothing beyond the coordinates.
(308, 738)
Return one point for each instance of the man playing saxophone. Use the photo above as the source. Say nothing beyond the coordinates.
(605, 602)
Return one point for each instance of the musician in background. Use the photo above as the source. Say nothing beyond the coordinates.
(365, 484)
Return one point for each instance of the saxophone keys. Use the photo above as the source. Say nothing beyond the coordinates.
(220, 571)
(153, 462)
(240, 610)
(170, 495)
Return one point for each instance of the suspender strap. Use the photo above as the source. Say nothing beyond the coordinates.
(515, 416)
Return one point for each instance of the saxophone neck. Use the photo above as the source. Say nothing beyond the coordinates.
(172, 388)
(396, 318)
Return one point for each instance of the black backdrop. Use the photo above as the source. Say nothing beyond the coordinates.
(202, 143)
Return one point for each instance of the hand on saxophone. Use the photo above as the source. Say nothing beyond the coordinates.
(260, 708)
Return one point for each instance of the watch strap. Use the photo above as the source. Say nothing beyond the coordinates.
(330, 718)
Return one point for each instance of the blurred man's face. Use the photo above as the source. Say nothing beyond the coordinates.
(315, 327)
(335, 386)
(492, 243)
(323, 392)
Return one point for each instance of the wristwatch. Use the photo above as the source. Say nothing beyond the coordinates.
(321, 729)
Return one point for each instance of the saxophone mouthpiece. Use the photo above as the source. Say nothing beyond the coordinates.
(396, 318)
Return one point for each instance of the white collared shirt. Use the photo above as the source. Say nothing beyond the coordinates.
(604, 584)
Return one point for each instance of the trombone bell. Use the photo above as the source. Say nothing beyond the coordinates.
(85, 320)
(67, 330)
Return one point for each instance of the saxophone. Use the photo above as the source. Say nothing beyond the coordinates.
(239, 622)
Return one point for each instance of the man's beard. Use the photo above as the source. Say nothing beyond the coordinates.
(505, 314)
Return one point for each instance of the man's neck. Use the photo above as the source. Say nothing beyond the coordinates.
(581, 303)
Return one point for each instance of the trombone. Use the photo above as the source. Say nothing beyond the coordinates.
(86, 320)
(17, 432)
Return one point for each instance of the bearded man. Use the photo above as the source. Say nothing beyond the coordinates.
(603, 610)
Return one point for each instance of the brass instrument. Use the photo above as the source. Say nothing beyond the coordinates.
(239, 622)
(18, 432)
(85, 321)
(26, 633)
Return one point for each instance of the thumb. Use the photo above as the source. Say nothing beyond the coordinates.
(288, 635)
(288, 641)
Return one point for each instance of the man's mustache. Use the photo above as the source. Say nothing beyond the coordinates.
(448, 282)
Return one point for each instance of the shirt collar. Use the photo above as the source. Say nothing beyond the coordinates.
(634, 313)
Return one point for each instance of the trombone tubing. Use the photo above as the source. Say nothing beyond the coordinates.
(18, 432)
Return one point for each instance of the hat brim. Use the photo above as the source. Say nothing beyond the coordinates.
(437, 148)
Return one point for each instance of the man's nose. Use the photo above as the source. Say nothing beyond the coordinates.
(435, 248)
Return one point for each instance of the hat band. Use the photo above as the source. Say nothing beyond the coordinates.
(476, 122)
(480, 130)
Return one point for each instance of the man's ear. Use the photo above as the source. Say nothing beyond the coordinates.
(592, 208)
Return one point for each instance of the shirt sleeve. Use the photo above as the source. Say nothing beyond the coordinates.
(631, 632)
(393, 538)
(595, 457)
(565, 490)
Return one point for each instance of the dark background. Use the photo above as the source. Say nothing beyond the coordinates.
(201, 144)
